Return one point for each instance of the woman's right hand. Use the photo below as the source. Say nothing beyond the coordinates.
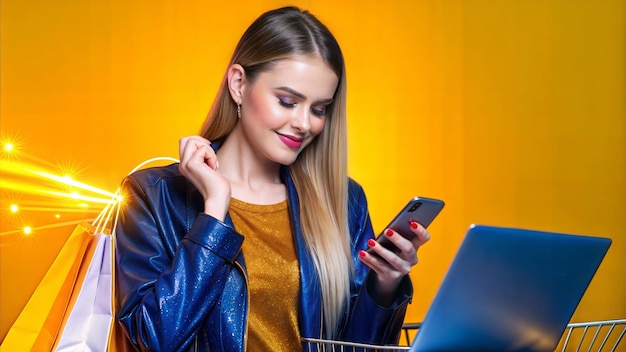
(198, 163)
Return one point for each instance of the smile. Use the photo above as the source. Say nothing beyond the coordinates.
(290, 141)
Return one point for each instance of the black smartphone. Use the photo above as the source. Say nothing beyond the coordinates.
(421, 209)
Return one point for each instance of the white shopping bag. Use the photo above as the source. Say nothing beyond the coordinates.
(88, 326)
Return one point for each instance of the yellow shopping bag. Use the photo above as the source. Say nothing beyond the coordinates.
(37, 326)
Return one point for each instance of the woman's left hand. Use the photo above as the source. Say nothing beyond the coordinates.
(390, 267)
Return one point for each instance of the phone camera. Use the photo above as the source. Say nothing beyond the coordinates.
(414, 207)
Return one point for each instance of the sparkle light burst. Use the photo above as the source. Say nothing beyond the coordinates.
(11, 145)
(37, 186)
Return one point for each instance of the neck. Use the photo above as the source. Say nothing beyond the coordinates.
(253, 178)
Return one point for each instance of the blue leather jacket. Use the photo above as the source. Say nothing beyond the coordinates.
(181, 281)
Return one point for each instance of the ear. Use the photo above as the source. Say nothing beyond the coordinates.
(236, 82)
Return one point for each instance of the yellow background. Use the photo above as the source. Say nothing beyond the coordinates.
(513, 112)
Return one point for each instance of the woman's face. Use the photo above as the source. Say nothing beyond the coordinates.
(285, 107)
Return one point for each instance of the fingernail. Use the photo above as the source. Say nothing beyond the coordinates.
(414, 225)
(362, 254)
(371, 242)
(389, 232)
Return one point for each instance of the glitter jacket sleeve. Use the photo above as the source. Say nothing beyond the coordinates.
(174, 265)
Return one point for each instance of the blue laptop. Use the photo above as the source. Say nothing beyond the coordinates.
(510, 290)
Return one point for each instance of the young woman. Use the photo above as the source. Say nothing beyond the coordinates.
(257, 237)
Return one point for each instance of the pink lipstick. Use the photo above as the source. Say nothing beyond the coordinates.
(290, 141)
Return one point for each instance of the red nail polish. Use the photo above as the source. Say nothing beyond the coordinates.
(389, 232)
(362, 254)
(371, 242)
(413, 225)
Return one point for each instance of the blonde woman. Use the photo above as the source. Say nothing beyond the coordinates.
(257, 237)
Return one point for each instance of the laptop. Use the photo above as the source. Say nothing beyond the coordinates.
(510, 290)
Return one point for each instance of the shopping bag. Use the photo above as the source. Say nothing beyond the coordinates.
(88, 324)
(72, 307)
(37, 326)
(89, 316)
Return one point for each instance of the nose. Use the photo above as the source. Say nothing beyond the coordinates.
(301, 119)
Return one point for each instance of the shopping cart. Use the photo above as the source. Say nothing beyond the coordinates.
(314, 345)
(599, 336)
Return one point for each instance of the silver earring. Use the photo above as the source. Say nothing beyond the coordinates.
(239, 110)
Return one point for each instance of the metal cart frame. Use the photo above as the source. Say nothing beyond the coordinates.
(606, 333)
(600, 336)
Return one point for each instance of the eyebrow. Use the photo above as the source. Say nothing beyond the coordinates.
(302, 96)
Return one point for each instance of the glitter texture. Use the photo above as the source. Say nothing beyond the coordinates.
(273, 275)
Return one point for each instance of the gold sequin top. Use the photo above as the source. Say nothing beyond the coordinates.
(273, 275)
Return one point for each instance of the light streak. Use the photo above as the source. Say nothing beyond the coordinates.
(50, 226)
(77, 196)
(18, 186)
(67, 180)
(62, 210)
(18, 168)
(31, 189)
(44, 203)
(28, 170)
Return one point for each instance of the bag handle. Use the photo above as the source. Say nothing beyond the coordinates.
(111, 211)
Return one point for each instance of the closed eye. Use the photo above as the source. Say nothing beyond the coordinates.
(319, 112)
(286, 103)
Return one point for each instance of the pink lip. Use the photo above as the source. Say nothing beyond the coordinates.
(290, 141)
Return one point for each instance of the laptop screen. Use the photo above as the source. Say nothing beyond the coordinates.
(510, 289)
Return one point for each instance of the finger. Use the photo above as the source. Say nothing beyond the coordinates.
(200, 156)
(407, 250)
(182, 145)
(186, 149)
(381, 267)
(208, 155)
(397, 262)
(189, 145)
(421, 234)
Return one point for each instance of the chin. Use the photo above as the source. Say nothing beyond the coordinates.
(287, 160)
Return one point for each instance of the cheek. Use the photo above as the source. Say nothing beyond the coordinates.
(265, 110)
(317, 125)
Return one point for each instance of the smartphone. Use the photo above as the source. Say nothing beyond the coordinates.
(421, 209)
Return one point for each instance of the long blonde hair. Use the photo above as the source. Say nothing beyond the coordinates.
(320, 171)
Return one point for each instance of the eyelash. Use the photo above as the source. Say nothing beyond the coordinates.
(316, 112)
(286, 104)
(319, 112)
